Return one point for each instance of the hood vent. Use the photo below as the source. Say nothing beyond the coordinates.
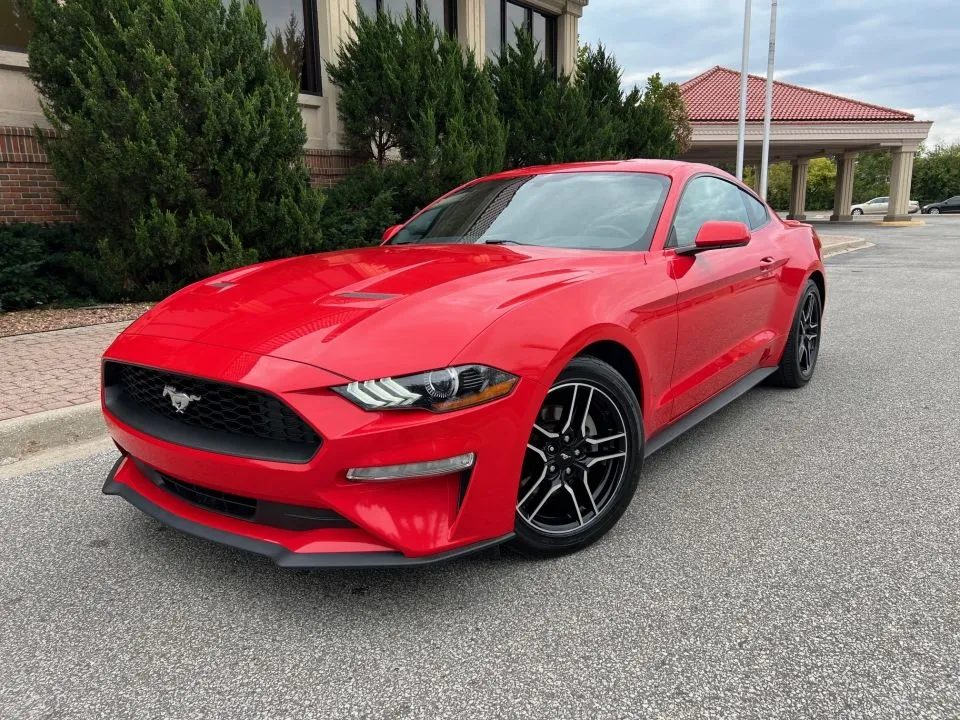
(366, 296)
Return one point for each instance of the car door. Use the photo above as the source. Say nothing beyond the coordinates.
(952, 205)
(725, 296)
(878, 206)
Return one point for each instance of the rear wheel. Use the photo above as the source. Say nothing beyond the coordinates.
(803, 346)
(582, 463)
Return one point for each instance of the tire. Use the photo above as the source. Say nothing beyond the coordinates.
(796, 370)
(934, 211)
(856, 211)
(578, 476)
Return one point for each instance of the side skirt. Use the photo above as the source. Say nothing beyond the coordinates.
(702, 412)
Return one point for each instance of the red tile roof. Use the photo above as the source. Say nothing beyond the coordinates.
(714, 96)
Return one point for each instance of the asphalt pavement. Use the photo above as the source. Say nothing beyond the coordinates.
(795, 556)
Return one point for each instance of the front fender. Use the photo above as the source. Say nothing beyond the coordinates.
(636, 309)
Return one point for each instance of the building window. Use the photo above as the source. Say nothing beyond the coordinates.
(292, 33)
(442, 12)
(16, 27)
(503, 17)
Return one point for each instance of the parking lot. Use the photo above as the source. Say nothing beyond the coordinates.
(797, 555)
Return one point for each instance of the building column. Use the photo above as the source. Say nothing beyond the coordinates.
(334, 20)
(567, 37)
(472, 27)
(901, 179)
(843, 195)
(798, 189)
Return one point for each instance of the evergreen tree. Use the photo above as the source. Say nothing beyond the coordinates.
(660, 112)
(546, 117)
(408, 93)
(180, 139)
(936, 174)
(586, 117)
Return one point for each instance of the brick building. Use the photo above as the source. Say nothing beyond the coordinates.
(28, 190)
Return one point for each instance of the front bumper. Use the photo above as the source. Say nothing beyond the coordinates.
(404, 522)
(281, 555)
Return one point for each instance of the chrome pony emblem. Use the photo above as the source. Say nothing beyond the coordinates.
(180, 400)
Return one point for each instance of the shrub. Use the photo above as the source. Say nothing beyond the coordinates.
(40, 264)
(361, 206)
(180, 140)
(936, 174)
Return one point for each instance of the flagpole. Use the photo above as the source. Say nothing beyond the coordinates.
(768, 103)
(744, 63)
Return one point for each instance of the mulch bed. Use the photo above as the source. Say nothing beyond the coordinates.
(33, 321)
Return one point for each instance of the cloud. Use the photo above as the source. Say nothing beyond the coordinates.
(797, 72)
(850, 47)
(946, 123)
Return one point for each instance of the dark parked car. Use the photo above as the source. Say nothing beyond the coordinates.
(951, 205)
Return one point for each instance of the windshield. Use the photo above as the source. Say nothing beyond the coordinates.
(592, 210)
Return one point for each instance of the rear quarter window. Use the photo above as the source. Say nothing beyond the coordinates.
(756, 211)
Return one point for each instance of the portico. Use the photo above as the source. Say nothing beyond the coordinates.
(805, 124)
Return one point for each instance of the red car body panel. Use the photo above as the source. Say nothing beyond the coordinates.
(693, 324)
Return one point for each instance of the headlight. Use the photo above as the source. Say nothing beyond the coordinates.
(451, 388)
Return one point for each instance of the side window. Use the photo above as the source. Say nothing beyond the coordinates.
(706, 198)
(756, 211)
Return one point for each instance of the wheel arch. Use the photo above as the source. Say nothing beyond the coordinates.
(820, 281)
(621, 359)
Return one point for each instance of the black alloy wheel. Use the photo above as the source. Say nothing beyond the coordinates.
(803, 346)
(582, 462)
(808, 335)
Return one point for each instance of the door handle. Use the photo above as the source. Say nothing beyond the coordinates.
(768, 260)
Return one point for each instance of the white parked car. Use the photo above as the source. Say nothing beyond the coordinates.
(879, 205)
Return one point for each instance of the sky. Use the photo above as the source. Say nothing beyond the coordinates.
(904, 55)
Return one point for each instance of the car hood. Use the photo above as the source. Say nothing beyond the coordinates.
(366, 313)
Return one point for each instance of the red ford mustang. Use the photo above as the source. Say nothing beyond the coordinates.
(496, 371)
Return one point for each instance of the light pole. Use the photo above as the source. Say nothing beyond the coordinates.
(745, 61)
(768, 102)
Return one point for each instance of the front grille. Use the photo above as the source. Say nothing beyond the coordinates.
(206, 414)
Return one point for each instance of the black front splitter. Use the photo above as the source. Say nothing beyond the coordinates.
(279, 554)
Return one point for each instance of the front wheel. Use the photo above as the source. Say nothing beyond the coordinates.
(803, 346)
(934, 211)
(582, 463)
(856, 211)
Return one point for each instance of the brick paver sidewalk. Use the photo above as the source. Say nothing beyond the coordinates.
(51, 370)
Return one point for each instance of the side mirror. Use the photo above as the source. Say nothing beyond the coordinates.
(717, 234)
(390, 232)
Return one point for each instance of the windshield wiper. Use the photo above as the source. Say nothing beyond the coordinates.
(502, 242)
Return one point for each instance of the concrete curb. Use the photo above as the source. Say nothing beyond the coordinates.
(843, 245)
(20, 437)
